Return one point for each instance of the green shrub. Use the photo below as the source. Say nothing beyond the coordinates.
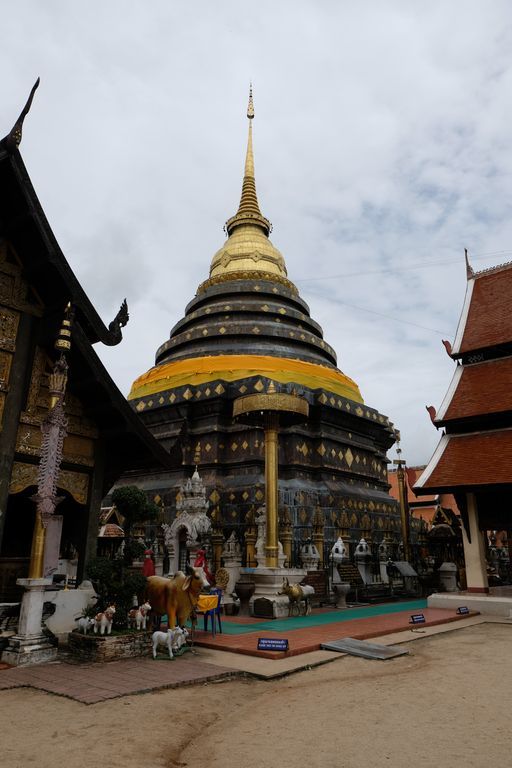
(115, 584)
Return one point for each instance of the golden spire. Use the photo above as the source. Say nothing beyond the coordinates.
(248, 253)
(249, 209)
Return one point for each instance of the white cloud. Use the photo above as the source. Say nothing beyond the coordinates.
(381, 140)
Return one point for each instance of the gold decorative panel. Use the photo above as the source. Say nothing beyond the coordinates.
(79, 450)
(8, 329)
(28, 440)
(25, 475)
(76, 483)
(22, 476)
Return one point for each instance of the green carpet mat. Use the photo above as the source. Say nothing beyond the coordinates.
(302, 622)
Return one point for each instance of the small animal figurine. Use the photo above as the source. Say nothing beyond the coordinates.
(84, 623)
(180, 639)
(137, 617)
(103, 621)
(170, 639)
(297, 594)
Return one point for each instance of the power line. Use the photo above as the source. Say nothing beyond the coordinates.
(390, 317)
(418, 265)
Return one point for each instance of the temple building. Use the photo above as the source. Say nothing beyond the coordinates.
(247, 331)
(473, 459)
(102, 436)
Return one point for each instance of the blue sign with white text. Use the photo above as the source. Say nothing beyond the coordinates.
(272, 644)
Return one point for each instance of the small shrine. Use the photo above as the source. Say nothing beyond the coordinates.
(191, 528)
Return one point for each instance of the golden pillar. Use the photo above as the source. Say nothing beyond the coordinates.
(271, 488)
(404, 505)
(35, 570)
(217, 539)
(269, 410)
(251, 536)
(318, 534)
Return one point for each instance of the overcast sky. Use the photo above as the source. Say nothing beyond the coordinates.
(383, 147)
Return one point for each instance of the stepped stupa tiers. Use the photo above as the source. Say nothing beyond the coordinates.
(247, 329)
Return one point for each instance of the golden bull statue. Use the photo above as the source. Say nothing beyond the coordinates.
(298, 596)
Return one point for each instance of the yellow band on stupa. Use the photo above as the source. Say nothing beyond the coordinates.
(229, 368)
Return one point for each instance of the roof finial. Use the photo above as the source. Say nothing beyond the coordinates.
(469, 268)
(13, 138)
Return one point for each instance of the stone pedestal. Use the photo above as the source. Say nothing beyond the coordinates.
(341, 591)
(30, 645)
(244, 589)
(268, 583)
(448, 576)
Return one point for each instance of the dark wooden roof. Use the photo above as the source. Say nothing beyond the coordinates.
(128, 444)
(24, 224)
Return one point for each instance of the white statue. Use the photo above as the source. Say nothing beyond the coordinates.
(260, 519)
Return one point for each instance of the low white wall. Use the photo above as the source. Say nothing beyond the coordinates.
(486, 605)
(69, 605)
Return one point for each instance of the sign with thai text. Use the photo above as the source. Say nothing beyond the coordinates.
(463, 610)
(272, 644)
(417, 618)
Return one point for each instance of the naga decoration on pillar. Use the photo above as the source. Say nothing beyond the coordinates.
(54, 431)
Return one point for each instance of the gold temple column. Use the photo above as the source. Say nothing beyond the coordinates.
(286, 536)
(250, 546)
(271, 488)
(35, 570)
(318, 534)
(269, 409)
(404, 505)
(217, 539)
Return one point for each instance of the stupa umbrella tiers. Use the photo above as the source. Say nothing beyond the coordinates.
(271, 410)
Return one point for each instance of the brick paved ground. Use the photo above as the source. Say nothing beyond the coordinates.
(90, 683)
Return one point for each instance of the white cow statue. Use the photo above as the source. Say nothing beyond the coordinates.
(103, 621)
(84, 623)
(138, 617)
(173, 639)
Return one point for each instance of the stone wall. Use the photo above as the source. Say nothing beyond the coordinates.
(93, 647)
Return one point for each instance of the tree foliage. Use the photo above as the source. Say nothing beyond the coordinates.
(132, 503)
(115, 584)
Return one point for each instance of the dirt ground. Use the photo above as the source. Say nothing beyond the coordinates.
(447, 704)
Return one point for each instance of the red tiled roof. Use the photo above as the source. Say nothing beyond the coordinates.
(481, 458)
(481, 388)
(111, 531)
(412, 474)
(489, 319)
